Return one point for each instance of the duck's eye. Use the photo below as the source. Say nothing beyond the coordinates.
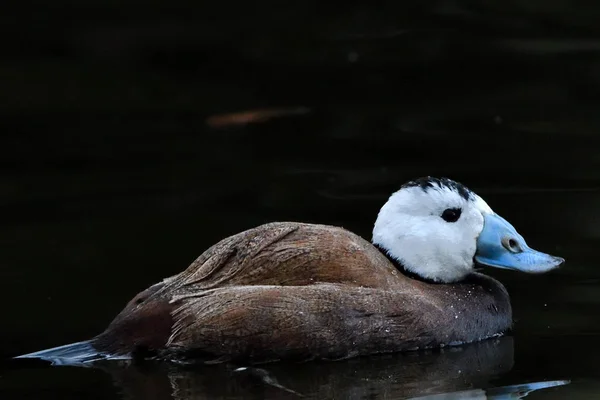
(451, 214)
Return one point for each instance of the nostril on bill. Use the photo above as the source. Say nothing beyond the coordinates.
(511, 244)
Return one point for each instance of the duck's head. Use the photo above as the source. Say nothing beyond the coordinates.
(440, 230)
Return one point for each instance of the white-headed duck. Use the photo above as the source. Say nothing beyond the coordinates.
(296, 291)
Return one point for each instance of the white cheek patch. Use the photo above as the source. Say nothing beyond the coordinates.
(410, 228)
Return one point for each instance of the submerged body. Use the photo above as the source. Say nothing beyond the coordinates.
(300, 291)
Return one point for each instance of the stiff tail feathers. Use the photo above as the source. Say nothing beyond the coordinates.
(79, 353)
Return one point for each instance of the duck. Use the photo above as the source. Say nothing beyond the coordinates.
(299, 291)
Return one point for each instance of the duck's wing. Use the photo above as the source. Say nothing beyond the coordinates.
(286, 254)
(280, 255)
(323, 321)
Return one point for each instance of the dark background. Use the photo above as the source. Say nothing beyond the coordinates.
(114, 172)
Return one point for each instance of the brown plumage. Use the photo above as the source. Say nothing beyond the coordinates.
(300, 291)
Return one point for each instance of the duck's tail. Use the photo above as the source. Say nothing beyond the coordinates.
(79, 353)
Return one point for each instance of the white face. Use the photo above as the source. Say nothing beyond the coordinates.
(431, 227)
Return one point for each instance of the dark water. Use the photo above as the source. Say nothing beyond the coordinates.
(113, 174)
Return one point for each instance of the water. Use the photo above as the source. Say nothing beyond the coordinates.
(80, 256)
(115, 173)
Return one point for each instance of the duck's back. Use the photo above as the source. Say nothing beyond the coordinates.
(289, 254)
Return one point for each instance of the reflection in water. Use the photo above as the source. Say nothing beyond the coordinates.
(454, 370)
(498, 393)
